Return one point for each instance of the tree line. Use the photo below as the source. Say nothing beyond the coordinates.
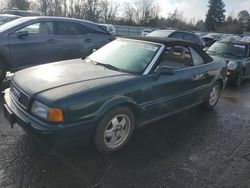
(138, 13)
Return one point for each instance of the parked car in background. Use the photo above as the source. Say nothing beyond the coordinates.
(109, 28)
(30, 41)
(4, 18)
(237, 55)
(182, 35)
(200, 34)
(126, 84)
(22, 13)
(246, 39)
(211, 38)
(231, 37)
(145, 32)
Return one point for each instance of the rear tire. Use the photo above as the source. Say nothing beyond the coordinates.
(2, 72)
(213, 96)
(114, 130)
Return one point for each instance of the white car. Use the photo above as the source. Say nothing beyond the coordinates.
(109, 28)
(246, 39)
(145, 32)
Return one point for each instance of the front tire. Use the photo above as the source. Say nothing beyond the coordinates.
(213, 96)
(114, 130)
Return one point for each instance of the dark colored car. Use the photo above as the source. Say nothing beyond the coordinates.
(4, 18)
(22, 13)
(182, 35)
(211, 38)
(30, 41)
(124, 85)
(237, 55)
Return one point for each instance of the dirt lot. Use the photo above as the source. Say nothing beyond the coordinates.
(193, 149)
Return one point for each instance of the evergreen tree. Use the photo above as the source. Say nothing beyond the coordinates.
(244, 19)
(215, 16)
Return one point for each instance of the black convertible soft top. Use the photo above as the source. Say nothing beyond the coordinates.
(176, 42)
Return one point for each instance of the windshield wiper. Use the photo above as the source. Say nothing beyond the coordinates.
(108, 66)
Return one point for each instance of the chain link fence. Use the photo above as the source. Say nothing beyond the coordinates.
(130, 30)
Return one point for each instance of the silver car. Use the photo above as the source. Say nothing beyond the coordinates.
(30, 41)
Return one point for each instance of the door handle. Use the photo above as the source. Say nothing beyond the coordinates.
(88, 40)
(51, 41)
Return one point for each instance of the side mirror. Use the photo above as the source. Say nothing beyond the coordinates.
(21, 34)
(164, 70)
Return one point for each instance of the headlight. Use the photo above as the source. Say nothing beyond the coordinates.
(44, 112)
(232, 65)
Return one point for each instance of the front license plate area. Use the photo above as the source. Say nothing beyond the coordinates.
(9, 116)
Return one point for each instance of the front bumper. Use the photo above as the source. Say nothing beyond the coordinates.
(16, 115)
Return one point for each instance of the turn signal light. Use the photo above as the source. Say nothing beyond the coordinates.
(55, 115)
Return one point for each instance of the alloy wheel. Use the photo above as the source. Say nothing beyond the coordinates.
(117, 131)
(214, 95)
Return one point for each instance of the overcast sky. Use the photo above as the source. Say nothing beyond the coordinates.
(194, 8)
(198, 8)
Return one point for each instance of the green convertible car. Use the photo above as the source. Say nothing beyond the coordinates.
(123, 85)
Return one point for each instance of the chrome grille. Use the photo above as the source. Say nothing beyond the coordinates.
(19, 96)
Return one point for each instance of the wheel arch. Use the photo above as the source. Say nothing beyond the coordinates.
(5, 61)
(119, 101)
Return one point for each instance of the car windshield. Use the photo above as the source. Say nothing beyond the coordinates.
(160, 33)
(229, 49)
(13, 23)
(126, 55)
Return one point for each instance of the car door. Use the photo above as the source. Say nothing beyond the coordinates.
(170, 93)
(73, 40)
(36, 47)
(205, 75)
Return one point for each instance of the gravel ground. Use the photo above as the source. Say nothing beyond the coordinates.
(195, 148)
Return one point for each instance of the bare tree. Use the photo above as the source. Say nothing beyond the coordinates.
(52, 7)
(129, 11)
(108, 11)
(76, 9)
(92, 10)
(20, 4)
(141, 11)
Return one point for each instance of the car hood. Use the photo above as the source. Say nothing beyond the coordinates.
(66, 78)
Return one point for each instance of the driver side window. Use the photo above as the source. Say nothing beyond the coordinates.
(177, 57)
(41, 28)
